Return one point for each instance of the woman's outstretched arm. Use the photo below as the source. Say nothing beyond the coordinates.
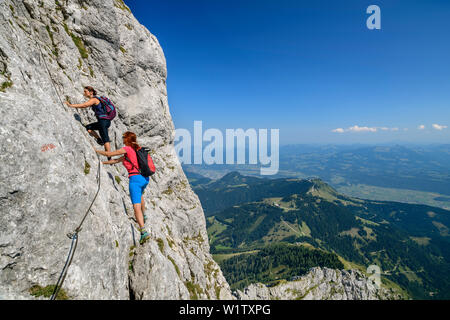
(87, 104)
(112, 153)
(114, 161)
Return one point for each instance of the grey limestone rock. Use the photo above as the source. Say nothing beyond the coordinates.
(321, 284)
(48, 175)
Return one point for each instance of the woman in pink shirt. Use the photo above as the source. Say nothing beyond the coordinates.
(137, 182)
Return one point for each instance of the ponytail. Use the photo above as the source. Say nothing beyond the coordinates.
(135, 146)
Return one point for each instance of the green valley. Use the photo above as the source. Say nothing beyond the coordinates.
(310, 221)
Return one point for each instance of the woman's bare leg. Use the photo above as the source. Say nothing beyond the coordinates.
(138, 214)
(143, 205)
(94, 134)
(107, 147)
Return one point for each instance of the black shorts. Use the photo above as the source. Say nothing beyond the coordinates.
(102, 126)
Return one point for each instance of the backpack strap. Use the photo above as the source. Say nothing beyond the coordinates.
(95, 97)
(102, 105)
(127, 159)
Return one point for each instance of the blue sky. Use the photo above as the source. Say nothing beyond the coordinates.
(307, 67)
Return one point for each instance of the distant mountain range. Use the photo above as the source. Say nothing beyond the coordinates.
(246, 215)
(411, 174)
(425, 168)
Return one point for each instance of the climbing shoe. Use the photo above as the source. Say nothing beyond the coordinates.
(144, 237)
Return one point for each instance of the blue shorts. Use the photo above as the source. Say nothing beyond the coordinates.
(137, 186)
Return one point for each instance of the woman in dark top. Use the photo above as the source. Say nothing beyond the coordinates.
(101, 125)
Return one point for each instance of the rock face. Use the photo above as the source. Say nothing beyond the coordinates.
(320, 284)
(48, 175)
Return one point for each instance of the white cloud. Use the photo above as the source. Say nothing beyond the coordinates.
(362, 129)
(439, 127)
(357, 128)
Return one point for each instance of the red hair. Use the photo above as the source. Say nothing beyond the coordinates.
(130, 140)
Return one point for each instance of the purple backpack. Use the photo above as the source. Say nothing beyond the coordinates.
(105, 109)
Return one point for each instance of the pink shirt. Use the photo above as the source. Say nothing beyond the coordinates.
(131, 154)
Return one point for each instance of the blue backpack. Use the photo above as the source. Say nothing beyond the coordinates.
(105, 109)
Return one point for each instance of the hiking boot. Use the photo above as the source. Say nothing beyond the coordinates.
(100, 141)
(144, 237)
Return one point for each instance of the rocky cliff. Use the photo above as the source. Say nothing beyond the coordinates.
(50, 50)
(321, 284)
(49, 173)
